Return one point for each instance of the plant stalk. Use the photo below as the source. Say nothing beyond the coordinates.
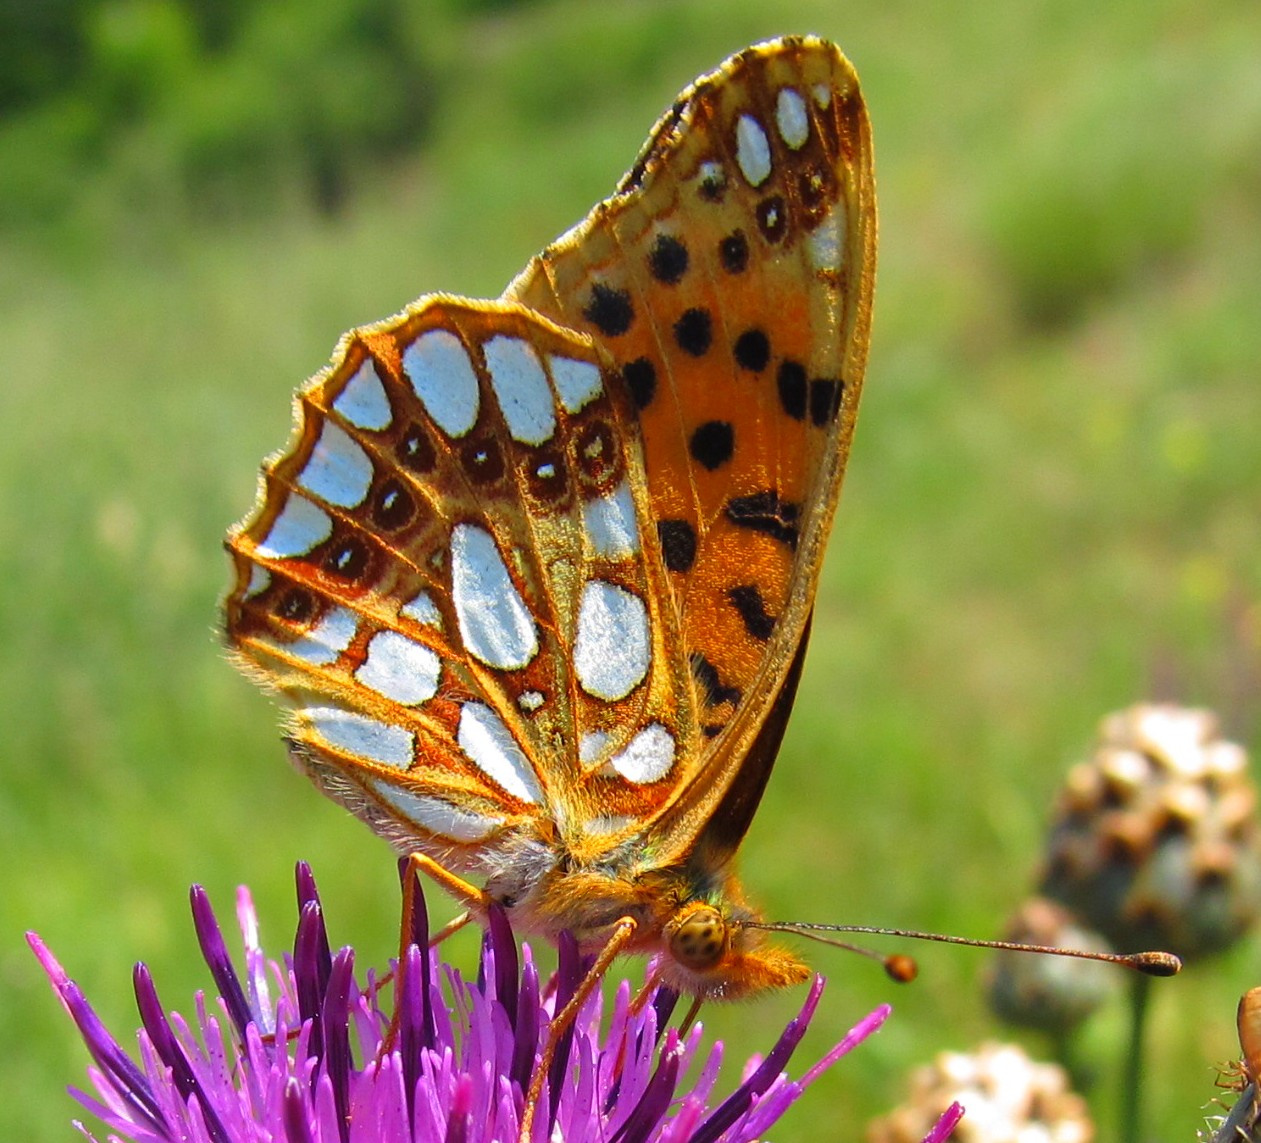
(1132, 1079)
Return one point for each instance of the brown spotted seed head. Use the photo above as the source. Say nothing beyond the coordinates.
(1154, 841)
(1053, 993)
(1008, 1098)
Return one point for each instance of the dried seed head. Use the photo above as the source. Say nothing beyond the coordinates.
(1049, 992)
(1007, 1097)
(1155, 840)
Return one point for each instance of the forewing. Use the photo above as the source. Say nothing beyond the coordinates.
(729, 280)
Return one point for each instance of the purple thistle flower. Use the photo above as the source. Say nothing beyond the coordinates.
(296, 1052)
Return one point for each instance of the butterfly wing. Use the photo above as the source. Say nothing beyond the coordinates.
(730, 281)
(542, 568)
(444, 577)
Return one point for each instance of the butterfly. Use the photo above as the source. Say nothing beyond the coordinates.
(535, 575)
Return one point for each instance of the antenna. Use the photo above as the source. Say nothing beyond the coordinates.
(903, 969)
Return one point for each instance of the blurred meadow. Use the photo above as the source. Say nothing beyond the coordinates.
(1051, 510)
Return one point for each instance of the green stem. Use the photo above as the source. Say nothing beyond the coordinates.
(1064, 1050)
(1132, 1081)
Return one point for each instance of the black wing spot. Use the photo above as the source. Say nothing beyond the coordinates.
(753, 350)
(668, 259)
(747, 600)
(678, 544)
(415, 451)
(597, 453)
(713, 443)
(713, 183)
(694, 332)
(347, 559)
(483, 460)
(640, 376)
(766, 512)
(706, 675)
(792, 389)
(772, 218)
(296, 605)
(825, 400)
(812, 186)
(733, 252)
(547, 478)
(393, 506)
(609, 310)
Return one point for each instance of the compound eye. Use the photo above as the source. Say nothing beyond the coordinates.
(700, 940)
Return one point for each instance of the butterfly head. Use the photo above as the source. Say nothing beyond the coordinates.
(711, 952)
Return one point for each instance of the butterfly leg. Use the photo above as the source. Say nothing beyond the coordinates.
(452, 926)
(640, 1001)
(461, 890)
(622, 933)
(686, 1024)
(477, 900)
(646, 993)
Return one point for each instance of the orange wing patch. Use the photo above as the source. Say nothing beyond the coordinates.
(730, 281)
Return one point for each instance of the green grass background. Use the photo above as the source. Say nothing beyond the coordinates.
(1051, 510)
